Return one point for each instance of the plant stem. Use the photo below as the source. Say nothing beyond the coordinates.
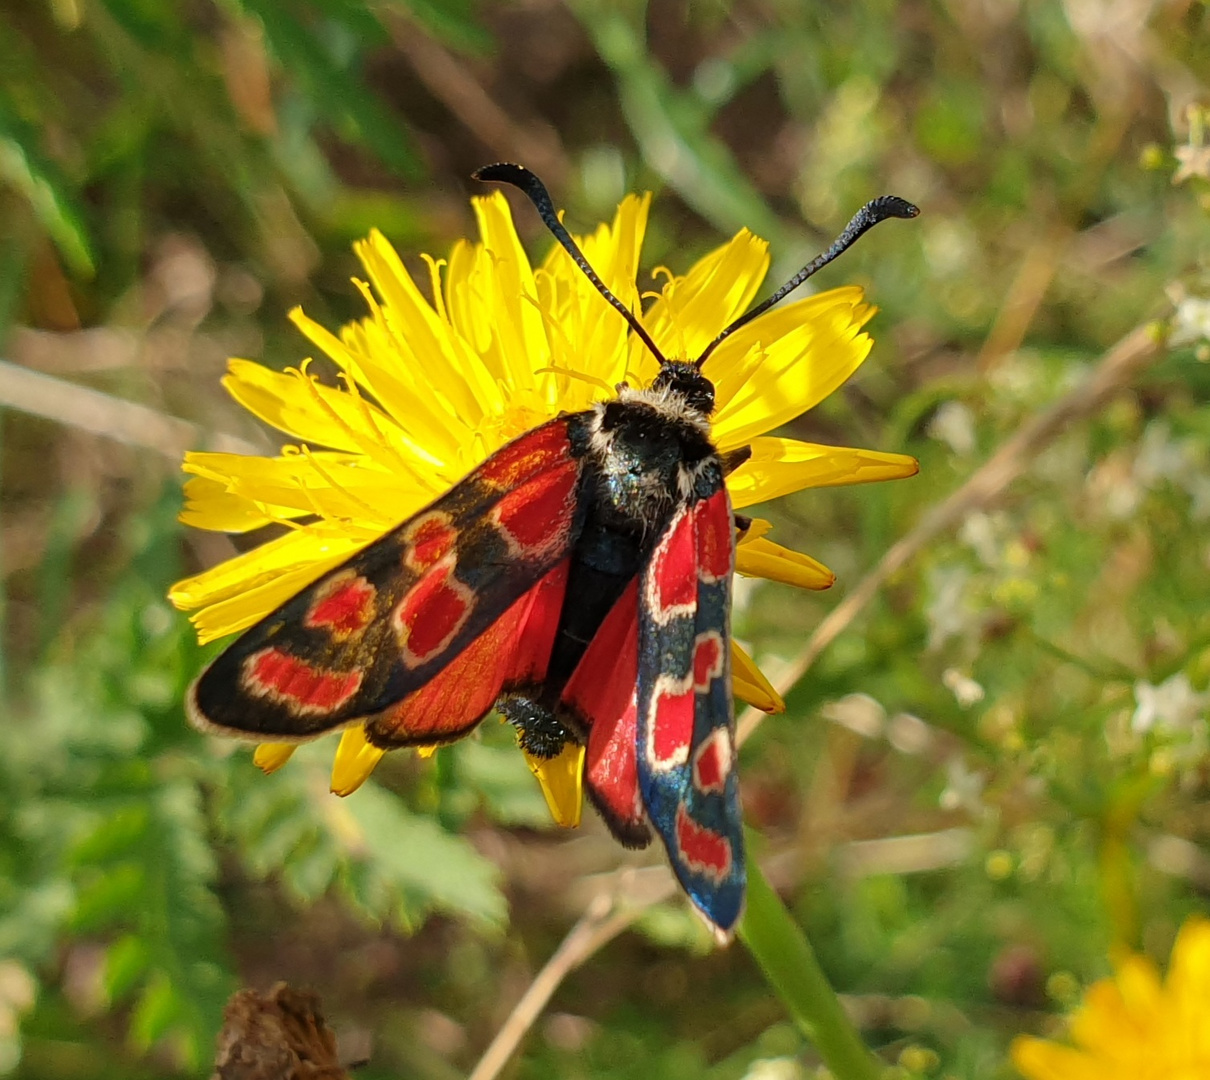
(788, 962)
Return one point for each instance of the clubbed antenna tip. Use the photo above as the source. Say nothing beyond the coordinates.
(876, 210)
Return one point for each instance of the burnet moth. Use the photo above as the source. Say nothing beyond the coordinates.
(578, 582)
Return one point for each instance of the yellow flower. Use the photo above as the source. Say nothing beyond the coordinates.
(1133, 1026)
(428, 389)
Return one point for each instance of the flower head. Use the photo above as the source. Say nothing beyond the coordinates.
(427, 389)
(1134, 1026)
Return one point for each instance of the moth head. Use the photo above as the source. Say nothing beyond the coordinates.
(684, 379)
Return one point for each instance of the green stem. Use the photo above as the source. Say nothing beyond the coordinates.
(788, 961)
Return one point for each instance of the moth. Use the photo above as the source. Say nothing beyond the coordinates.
(578, 582)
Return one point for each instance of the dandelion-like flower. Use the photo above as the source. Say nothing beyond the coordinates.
(428, 389)
(1135, 1026)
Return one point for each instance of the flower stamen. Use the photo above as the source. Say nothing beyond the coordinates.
(583, 376)
(435, 266)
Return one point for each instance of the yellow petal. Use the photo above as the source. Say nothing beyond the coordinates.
(421, 345)
(414, 390)
(333, 485)
(209, 505)
(780, 466)
(735, 361)
(1189, 972)
(504, 281)
(802, 354)
(561, 779)
(614, 250)
(592, 337)
(298, 405)
(1138, 982)
(757, 527)
(1037, 1059)
(355, 759)
(299, 547)
(271, 756)
(426, 752)
(693, 309)
(241, 591)
(749, 684)
(1115, 1011)
(758, 557)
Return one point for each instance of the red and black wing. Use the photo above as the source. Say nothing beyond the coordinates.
(684, 726)
(515, 649)
(384, 625)
(602, 696)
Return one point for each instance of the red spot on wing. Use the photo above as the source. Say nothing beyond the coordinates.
(431, 613)
(343, 606)
(305, 688)
(707, 659)
(712, 762)
(523, 458)
(670, 726)
(672, 576)
(703, 850)
(454, 701)
(428, 538)
(715, 537)
(535, 518)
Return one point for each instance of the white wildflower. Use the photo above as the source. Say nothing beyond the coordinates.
(1172, 707)
(966, 691)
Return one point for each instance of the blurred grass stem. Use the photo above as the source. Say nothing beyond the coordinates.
(453, 84)
(81, 407)
(600, 924)
(785, 956)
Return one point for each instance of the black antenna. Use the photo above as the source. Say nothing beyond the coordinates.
(520, 177)
(876, 210)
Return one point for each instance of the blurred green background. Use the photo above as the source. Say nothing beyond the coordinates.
(992, 779)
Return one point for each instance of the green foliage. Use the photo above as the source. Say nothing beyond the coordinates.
(45, 188)
(108, 822)
(389, 863)
(991, 781)
(116, 817)
(116, 115)
(339, 96)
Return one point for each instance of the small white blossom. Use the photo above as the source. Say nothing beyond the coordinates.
(909, 734)
(783, 1068)
(1161, 457)
(1179, 462)
(963, 687)
(858, 712)
(948, 611)
(1192, 161)
(963, 788)
(1173, 706)
(1191, 322)
(954, 424)
(982, 533)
